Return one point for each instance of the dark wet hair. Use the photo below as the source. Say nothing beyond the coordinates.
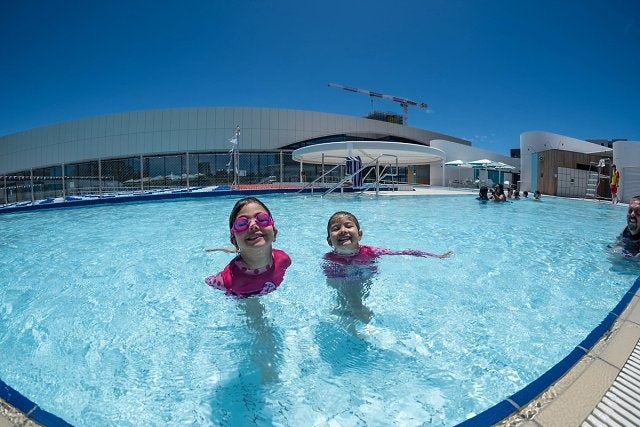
(345, 213)
(241, 204)
(501, 188)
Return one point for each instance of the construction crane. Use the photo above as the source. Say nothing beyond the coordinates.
(403, 101)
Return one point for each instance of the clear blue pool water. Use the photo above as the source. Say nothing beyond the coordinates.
(105, 318)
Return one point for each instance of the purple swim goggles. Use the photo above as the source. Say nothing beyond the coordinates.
(242, 223)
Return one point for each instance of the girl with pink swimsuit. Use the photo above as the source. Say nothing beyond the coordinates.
(258, 269)
(351, 260)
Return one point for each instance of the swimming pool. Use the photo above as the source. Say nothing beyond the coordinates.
(106, 319)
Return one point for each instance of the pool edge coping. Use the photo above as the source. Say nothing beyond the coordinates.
(528, 403)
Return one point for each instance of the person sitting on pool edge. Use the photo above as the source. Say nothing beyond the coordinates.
(629, 239)
(350, 259)
(258, 268)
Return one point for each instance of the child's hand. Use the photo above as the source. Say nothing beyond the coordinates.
(445, 255)
(229, 249)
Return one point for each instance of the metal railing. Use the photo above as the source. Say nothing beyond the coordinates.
(149, 173)
(373, 185)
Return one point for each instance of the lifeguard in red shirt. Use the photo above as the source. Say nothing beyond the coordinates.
(615, 182)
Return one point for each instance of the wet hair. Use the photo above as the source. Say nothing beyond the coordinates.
(339, 213)
(241, 204)
(501, 188)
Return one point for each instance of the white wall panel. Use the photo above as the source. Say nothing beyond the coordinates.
(177, 130)
(536, 141)
(193, 119)
(626, 156)
(201, 138)
(153, 121)
(201, 118)
(169, 120)
(192, 140)
(219, 118)
(631, 178)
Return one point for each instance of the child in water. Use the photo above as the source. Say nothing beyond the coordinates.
(258, 269)
(351, 260)
(483, 194)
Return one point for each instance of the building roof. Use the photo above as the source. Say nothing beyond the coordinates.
(334, 153)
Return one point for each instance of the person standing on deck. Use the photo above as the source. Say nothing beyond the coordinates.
(615, 182)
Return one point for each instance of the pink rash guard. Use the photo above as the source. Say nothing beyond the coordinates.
(236, 279)
(361, 265)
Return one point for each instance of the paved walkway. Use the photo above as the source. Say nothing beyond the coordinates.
(575, 396)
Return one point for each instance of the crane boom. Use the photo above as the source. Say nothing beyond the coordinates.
(404, 102)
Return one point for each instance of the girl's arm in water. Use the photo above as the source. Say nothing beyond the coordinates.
(413, 252)
(229, 249)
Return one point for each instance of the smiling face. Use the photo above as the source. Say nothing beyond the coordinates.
(633, 215)
(254, 237)
(344, 233)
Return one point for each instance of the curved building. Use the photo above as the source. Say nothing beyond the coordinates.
(192, 130)
(146, 148)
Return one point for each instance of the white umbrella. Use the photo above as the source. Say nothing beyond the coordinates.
(501, 167)
(458, 164)
(455, 163)
(504, 166)
(481, 162)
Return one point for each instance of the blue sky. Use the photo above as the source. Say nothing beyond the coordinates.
(489, 69)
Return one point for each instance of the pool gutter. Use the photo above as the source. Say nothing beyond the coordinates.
(568, 392)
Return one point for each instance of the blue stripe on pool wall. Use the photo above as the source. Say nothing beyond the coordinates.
(110, 199)
(14, 398)
(500, 411)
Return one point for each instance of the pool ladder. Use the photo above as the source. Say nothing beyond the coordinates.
(593, 179)
(592, 184)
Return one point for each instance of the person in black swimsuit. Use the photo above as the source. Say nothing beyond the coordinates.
(629, 239)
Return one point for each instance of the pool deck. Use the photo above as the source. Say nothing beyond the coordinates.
(602, 388)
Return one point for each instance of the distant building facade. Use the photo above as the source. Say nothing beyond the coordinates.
(183, 146)
(564, 166)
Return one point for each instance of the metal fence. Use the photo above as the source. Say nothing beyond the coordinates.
(147, 173)
(255, 170)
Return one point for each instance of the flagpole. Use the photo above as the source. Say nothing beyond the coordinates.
(236, 158)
